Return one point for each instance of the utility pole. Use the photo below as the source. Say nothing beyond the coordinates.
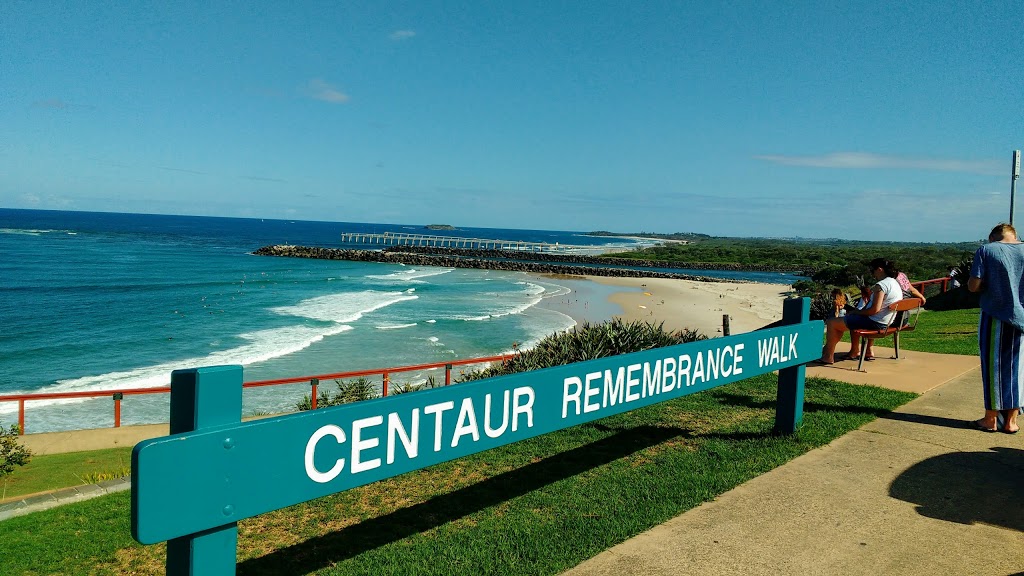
(1014, 174)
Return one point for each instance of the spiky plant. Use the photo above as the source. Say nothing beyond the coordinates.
(400, 388)
(588, 342)
(348, 391)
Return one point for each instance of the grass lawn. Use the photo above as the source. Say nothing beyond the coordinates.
(945, 332)
(538, 506)
(54, 471)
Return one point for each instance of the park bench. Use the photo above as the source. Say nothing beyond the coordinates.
(900, 322)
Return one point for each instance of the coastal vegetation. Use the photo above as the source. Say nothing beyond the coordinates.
(588, 342)
(825, 261)
(584, 342)
(12, 452)
(555, 500)
(678, 236)
(827, 264)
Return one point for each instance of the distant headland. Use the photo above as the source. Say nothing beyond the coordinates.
(439, 227)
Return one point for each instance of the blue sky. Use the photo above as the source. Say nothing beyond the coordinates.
(854, 120)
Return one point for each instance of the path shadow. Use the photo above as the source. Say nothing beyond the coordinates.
(745, 401)
(323, 551)
(749, 402)
(928, 420)
(967, 487)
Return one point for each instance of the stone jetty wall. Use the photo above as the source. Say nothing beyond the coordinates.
(404, 256)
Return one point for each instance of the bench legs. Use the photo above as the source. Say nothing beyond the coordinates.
(864, 349)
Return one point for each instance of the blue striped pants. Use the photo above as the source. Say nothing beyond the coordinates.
(1001, 368)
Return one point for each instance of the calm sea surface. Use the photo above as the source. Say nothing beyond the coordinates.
(98, 301)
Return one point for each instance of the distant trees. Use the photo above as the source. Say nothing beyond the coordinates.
(837, 261)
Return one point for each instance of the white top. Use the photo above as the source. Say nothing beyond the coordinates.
(890, 293)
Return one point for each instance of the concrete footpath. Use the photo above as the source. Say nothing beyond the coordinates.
(918, 491)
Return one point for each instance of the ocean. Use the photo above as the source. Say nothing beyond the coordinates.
(102, 301)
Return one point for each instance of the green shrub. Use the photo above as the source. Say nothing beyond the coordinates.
(587, 342)
(12, 452)
(400, 388)
(348, 391)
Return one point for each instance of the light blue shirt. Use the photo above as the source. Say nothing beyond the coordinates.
(1001, 269)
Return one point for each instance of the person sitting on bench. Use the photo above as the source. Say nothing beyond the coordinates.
(875, 317)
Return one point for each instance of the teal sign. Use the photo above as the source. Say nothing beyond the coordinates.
(194, 485)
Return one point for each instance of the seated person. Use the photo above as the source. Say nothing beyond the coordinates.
(838, 303)
(860, 303)
(876, 316)
(908, 289)
(863, 301)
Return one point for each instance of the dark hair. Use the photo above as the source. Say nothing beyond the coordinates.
(888, 267)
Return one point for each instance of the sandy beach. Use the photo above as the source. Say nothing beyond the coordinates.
(700, 305)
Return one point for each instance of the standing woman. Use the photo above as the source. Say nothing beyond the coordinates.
(998, 273)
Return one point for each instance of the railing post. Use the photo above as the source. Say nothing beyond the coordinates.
(789, 408)
(203, 398)
(313, 383)
(447, 374)
(21, 417)
(118, 396)
(384, 388)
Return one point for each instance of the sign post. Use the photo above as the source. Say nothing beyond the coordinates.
(192, 487)
(789, 407)
(1014, 175)
(202, 398)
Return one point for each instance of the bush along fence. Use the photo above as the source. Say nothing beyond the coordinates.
(192, 487)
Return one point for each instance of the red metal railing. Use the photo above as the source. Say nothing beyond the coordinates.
(942, 282)
(314, 382)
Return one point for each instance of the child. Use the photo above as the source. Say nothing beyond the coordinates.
(839, 303)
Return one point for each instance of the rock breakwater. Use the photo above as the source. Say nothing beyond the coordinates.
(522, 263)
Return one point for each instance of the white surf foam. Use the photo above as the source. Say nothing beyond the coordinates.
(344, 306)
(395, 326)
(29, 231)
(411, 275)
(260, 346)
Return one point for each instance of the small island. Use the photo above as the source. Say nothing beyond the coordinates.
(439, 227)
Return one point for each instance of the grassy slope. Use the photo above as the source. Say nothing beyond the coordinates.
(54, 471)
(535, 507)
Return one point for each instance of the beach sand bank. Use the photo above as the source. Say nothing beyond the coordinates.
(697, 305)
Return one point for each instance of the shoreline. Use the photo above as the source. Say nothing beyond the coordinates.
(682, 304)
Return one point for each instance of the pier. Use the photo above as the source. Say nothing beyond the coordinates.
(430, 240)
